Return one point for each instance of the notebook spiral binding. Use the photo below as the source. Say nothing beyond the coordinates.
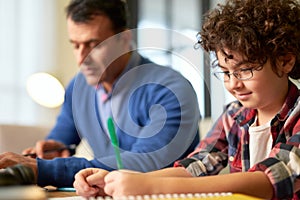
(169, 196)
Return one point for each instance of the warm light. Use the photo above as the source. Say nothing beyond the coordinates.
(45, 90)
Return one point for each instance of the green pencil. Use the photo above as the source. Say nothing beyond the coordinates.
(114, 141)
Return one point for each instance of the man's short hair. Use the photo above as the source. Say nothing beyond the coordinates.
(82, 11)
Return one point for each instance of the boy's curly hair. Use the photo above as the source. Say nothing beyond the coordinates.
(258, 29)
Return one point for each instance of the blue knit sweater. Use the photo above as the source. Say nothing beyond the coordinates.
(156, 114)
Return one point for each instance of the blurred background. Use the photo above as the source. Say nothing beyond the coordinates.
(33, 38)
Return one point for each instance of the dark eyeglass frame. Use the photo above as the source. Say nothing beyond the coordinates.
(242, 74)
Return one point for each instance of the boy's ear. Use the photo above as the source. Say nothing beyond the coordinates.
(286, 63)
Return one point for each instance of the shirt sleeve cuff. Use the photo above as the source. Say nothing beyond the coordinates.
(279, 176)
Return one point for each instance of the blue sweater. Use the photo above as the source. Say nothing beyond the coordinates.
(156, 115)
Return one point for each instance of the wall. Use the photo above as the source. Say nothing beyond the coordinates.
(33, 39)
(66, 66)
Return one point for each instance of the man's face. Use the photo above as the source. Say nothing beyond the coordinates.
(93, 52)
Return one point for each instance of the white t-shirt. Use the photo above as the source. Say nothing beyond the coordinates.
(260, 142)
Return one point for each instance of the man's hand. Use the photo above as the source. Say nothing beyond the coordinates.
(90, 182)
(9, 159)
(47, 149)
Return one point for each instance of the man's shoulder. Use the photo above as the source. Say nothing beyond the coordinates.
(159, 70)
(74, 78)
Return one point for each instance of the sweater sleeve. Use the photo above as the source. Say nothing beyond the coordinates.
(60, 172)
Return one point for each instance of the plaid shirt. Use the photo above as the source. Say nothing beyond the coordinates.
(228, 143)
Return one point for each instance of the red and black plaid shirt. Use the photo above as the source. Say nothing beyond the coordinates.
(228, 143)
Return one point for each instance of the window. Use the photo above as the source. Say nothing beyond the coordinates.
(26, 38)
(165, 37)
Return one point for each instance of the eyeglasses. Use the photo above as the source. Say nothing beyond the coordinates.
(241, 74)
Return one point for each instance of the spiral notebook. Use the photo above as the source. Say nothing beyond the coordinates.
(200, 196)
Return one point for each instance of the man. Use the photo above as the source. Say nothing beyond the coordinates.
(154, 108)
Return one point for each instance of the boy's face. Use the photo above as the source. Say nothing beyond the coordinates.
(265, 91)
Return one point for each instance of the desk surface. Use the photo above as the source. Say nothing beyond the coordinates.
(55, 194)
